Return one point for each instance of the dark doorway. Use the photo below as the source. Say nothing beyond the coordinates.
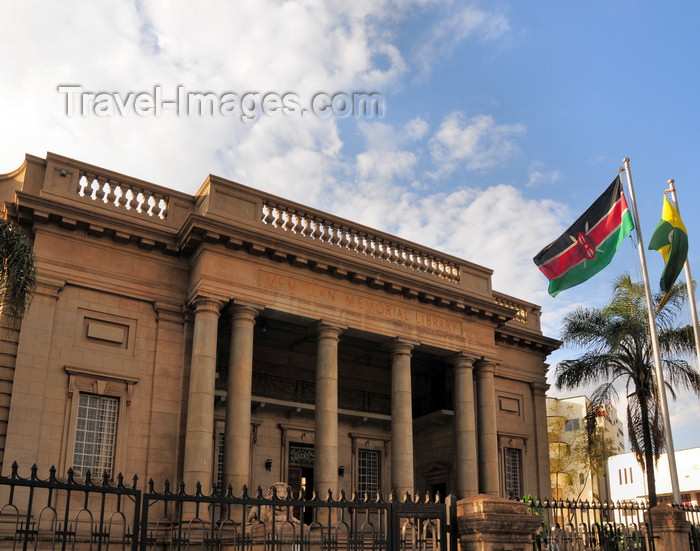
(440, 488)
(301, 476)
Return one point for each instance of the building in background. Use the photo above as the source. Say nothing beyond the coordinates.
(239, 338)
(629, 483)
(575, 474)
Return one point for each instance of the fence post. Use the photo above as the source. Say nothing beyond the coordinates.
(488, 523)
(671, 528)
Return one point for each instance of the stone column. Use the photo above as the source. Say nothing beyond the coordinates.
(488, 439)
(326, 420)
(199, 443)
(236, 468)
(401, 418)
(466, 461)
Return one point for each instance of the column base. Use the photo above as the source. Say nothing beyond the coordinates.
(489, 523)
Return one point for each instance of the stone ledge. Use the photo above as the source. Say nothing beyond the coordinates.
(488, 523)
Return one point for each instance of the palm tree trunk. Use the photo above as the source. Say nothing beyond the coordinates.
(648, 450)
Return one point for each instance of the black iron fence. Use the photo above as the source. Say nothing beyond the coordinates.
(105, 514)
(692, 513)
(586, 526)
(67, 514)
(101, 515)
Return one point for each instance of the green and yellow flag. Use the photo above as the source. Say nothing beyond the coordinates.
(670, 238)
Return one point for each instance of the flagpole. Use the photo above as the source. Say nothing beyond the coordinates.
(660, 385)
(688, 279)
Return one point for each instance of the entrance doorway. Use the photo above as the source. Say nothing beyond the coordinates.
(300, 476)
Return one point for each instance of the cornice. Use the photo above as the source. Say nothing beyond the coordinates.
(511, 335)
(339, 264)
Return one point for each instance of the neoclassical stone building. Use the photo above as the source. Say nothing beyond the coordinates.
(236, 337)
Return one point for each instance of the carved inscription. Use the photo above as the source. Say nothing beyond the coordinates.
(357, 303)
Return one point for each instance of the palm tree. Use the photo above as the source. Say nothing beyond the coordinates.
(619, 352)
(17, 273)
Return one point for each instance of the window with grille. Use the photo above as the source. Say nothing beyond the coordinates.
(220, 459)
(512, 469)
(95, 435)
(368, 471)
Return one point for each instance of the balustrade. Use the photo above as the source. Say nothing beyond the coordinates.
(123, 195)
(335, 233)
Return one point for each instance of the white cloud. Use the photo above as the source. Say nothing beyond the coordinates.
(301, 46)
(539, 176)
(454, 28)
(479, 143)
(492, 227)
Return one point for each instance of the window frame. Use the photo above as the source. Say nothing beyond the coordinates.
(105, 404)
(82, 380)
(378, 470)
(374, 443)
(519, 456)
(572, 424)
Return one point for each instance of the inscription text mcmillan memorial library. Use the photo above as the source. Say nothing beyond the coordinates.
(349, 301)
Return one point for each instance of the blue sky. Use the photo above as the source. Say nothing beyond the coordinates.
(503, 120)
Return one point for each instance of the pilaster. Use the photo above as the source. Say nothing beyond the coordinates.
(166, 391)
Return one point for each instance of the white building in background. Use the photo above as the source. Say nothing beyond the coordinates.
(566, 419)
(628, 482)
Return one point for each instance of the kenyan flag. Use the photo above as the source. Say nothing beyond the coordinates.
(589, 244)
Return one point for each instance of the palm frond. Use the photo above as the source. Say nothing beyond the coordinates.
(679, 373)
(584, 370)
(617, 351)
(677, 340)
(604, 394)
(676, 298)
(17, 272)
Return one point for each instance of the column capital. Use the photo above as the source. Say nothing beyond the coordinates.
(486, 365)
(169, 311)
(462, 359)
(540, 388)
(399, 346)
(207, 304)
(49, 286)
(244, 312)
(324, 329)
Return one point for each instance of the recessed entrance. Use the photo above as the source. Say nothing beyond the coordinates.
(300, 475)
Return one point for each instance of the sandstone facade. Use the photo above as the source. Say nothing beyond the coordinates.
(239, 338)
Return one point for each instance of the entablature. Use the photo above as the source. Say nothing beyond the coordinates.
(107, 205)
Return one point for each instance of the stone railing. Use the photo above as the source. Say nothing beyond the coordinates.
(362, 242)
(141, 201)
(521, 314)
